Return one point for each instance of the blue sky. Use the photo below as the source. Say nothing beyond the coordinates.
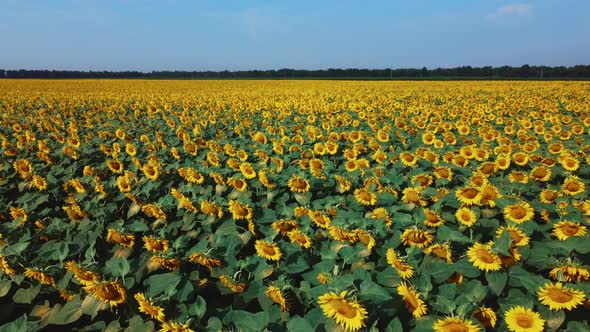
(239, 35)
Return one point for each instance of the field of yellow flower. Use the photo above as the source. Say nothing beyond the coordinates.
(294, 205)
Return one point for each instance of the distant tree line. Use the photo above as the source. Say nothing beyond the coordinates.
(504, 72)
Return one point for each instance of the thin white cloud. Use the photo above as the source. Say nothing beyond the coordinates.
(512, 10)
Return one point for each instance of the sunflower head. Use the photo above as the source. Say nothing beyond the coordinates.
(349, 314)
(521, 319)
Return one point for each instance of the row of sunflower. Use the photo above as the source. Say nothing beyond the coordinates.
(294, 205)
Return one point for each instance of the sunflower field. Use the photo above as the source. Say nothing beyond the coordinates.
(294, 206)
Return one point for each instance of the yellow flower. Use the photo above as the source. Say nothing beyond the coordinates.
(39, 182)
(204, 260)
(482, 257)
(365, 197)
(416, 237)
(154, 210)
(466, 216)
(109, 292)
(155, 245)
(191, 175)
(486, 316)
(404, 270)
(319, 219)
(4, 266)
(566, 229)
(235, 287)
(298, 184)
(432, 218)
(541, 173)
(148, 307)
(115, 166)
(349, 314)
(519, 212)
(454, 324)
(23, 167)
(558, 297)
(569, 273)
(84, 277)
(125, 240)
(296, 236)
(469, 196)
(124, 184)
(519, 238)
(268, 250)
(240, 211)
(277, 296)
(521, 319)
(412, 300)
(572, 186)
(247, 171)
(441, 251)
(170, 326)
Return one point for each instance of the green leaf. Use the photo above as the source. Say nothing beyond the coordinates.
(502, 244)
(118, 266)
(519, 277)
(5, 287)
(497, 281)
(298, 323)
(18, 325)
(69, 313)
(246, 321)
(136, 324)
(199, 307)
(394, 326)
(296, 264)
(389, 277)
(445, 233)
(26, 295)
(162, 283)
(372, 292)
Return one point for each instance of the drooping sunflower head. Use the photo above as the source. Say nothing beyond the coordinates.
(109, 292)
(412, 300)
(148, 307)
(486, 316)
(300, 238)
(405, 271)
(416, 237)
(349, 314)
(442, 251)
(569, 273)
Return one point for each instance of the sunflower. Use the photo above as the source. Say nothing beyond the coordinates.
(323, 278)
(235, 287)
(432, 218)
(211, 209)
(569, 273)
(466, 216)
(486, 316)
(191, 175)
(320, 219)
(151, 172)
(284, 226)
(412, 300)
(153, 210)
(566, 229)
(408, 159)
(365, 237)
(298, 184)
(519, 212)
(247, 170)
(124, 184)
(115, 166)
(296, 236)
(84, 277)
(204, 260)
(19, 213)
(518, 176)
(549, 196)
(155, 245)
(125, 240)
(268, 250)
(443, 172)
(148, 307)
(541, 173)
(558, 297)
(573, 186)
(441, 251)
(454, 324)
(503, 161)
(469, 196)
(416, 237)
(570, 164)
(23, 167)
(109, 292)
(382, 214)
(519, 238)
(41, 277)
(39, 182)
(240, 211)
(5, 266)
(169, 264)
(277, 296)
(482, 257)
(404, 270)
(349, 314)
(412, 196)
(171, 326)
(488, 194)
(365, 197)
(521, 319)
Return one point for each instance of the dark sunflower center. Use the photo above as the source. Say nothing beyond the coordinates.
(343, 308)
(517, 212)
(559, 296)
(524, 320)
(485, 256)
